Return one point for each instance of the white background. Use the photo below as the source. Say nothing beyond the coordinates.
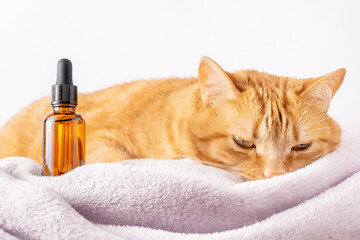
(110, 42)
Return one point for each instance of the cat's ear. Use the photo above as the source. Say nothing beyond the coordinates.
(215, 84)
(321, 90)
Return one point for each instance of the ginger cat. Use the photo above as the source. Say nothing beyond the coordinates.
(254, 124)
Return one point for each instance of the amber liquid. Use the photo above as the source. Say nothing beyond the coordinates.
(63, 141)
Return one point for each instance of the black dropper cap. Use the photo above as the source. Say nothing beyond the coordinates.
(64, 91)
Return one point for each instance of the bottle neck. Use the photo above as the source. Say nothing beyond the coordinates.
(64, 108)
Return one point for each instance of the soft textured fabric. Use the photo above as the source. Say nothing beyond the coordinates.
(181, 199)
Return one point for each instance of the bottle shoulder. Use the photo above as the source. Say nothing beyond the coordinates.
(53, 117)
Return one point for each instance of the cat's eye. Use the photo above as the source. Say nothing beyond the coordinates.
(243, 143)
(301, 146)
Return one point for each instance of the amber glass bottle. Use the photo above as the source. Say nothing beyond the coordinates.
(63, 129)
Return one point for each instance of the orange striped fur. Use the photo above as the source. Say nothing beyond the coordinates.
(199, 118)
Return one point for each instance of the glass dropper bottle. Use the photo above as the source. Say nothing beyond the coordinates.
(63, 147)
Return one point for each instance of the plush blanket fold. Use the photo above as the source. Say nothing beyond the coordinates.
(181, 199)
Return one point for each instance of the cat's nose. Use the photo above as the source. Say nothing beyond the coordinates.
(269, 174)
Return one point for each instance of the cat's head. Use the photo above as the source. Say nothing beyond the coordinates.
(260, 125)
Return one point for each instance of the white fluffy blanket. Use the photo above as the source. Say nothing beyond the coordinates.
(180, 199)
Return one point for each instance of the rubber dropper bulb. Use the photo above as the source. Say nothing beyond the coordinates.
(64, 72)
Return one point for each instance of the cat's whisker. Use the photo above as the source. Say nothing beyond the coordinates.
(315, 129)
(303, 121)
(315, 123)
(312, 129)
